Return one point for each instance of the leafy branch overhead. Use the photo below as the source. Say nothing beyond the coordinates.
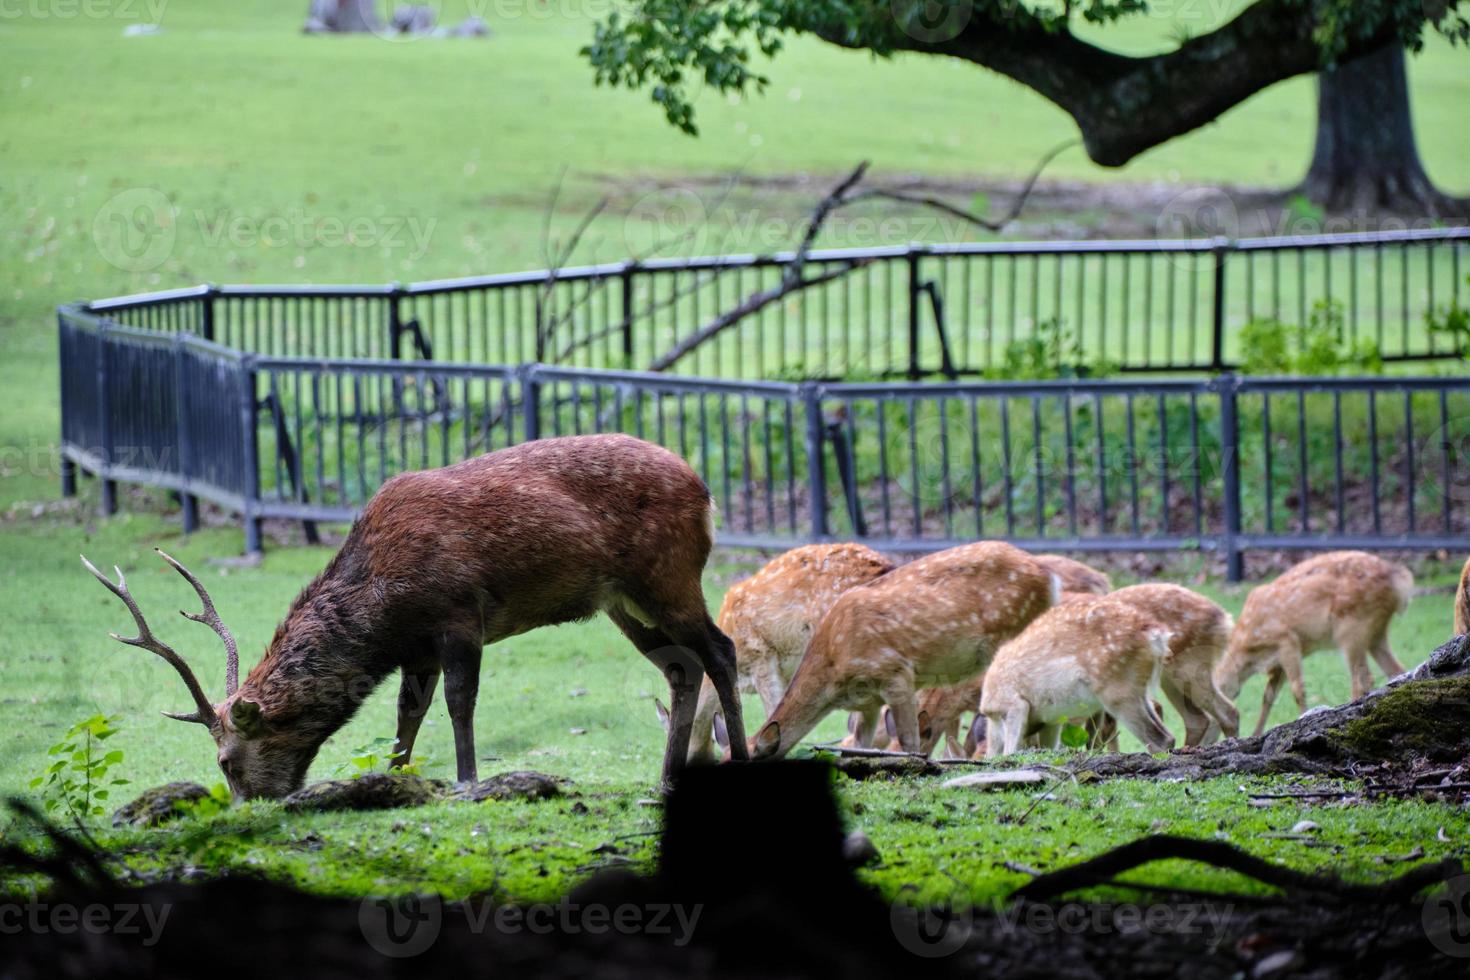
(1123, 104)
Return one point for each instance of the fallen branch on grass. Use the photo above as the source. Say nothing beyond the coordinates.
(1102, 870)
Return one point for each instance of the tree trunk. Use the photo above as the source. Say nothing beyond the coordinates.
(1366, 160)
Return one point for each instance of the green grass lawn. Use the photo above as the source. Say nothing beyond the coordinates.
(261, 139)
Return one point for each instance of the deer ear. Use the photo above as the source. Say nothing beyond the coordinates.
(976, 735)
(247, 718)
(889, 725)
(722, 735)
(663, 713)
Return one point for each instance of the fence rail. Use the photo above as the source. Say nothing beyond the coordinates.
(895, 312)
(1225, 464)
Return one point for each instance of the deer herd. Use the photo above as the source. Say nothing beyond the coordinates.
(443, 562)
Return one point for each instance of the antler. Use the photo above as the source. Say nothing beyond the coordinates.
(204, 710)
(211, 619)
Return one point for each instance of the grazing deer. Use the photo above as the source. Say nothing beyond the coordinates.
(770, 618)
(1200, 632)
(1342, 599)
(1076, 660)
(1462, 602)
(942, 708)
(442, 562)
(1076, 577)
(935, 621)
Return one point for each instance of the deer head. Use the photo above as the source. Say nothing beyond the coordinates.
(253, 763)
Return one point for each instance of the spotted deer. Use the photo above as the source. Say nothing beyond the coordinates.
(443, 562)
(942, 709)
(1200, 631)
(1342, 599)
(935, 621)
(1078, 659)
(771, 616)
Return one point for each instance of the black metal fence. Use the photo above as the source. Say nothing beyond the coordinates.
(1225, 464)
(901, 312)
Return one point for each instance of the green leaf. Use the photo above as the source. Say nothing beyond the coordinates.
(1074, 736)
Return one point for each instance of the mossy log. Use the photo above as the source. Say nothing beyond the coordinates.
(1425, 715)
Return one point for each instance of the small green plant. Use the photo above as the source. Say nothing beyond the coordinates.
(1453, 322)
(376, 754)
(1269, 346)
(1053, 351)
(1075, 736)
(218, 801)
(76, 781)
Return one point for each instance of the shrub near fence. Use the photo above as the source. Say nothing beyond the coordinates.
(275, 402)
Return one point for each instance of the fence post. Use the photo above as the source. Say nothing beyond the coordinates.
(627, 297)
(395, 340)
(104, 426)
(912, 260)
(250, 446)
(206, 312)
(531, 401)
(1226, 385)
(183, 444)
(816, 459)
(1220, 252)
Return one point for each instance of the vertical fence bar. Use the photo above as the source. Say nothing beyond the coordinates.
(530, 404)
(250, 446)
(183, 442)
(104, 420)
(1220, 252)
(811, 395)
(626, 279)
(1226, 385)
(914, 287)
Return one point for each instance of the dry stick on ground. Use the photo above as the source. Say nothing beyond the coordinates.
(1105, 867)
(844, 194)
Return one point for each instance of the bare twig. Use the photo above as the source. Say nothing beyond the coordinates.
(938, 204)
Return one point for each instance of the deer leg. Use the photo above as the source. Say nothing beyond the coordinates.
(684, 675)
(415, 693)
(1274, 679)
(905, 712)
(1383, 656)
(717, 657)
(461, 661)
(1196, 722)
(1138, 716)
(701, 745)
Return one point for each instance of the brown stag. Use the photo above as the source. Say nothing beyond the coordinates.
(443, 562)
